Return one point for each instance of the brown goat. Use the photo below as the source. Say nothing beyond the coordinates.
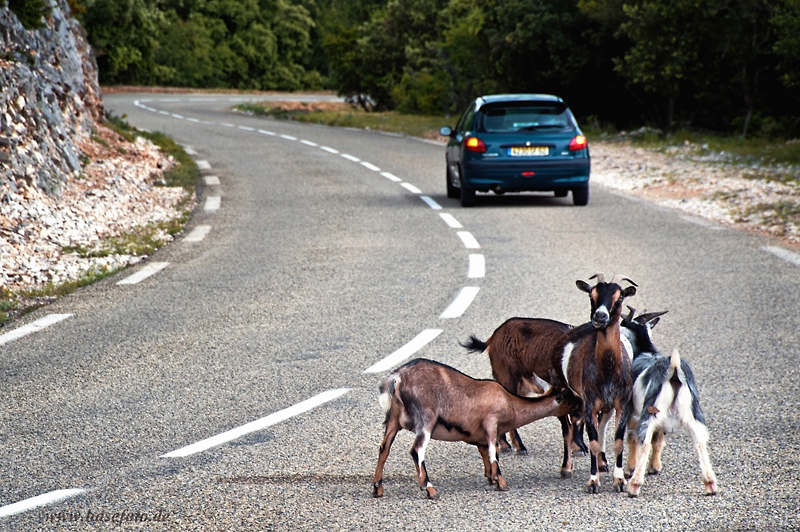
(435, 401)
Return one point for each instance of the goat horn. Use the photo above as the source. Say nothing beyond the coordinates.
(599, 276)
(619, 278)
(629, 318)
(645, 317)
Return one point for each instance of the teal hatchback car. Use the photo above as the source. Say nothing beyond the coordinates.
(515, 143)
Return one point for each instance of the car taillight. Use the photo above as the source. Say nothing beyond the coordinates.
(475, 144)
(578, 143)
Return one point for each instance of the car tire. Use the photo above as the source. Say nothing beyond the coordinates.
(452, 191)
(467, 196)
(580, 196)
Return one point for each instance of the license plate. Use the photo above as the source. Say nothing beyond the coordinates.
(528, 151)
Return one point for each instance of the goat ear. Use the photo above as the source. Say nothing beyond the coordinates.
(583, 286)
(628, 292)
(652, 323)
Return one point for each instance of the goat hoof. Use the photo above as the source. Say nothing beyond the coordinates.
(523, 452)
(566, 474)
(620, 487)
(431, 493)
(592, 488)
(603, 468)
(377, 490)
(653, 471)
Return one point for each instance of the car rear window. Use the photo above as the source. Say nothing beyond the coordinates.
(530, 116)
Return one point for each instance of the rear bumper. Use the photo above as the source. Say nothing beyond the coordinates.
(508, 176)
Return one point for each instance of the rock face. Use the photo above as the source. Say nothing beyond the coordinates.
(67, 183)
(50, 99)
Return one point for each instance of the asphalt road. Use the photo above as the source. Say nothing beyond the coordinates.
(316, 267)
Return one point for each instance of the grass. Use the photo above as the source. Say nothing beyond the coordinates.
(346, 116)
(139, 242)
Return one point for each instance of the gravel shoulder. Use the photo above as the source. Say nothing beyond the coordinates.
(750, 198)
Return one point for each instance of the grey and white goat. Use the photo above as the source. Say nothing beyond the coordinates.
(664, 399)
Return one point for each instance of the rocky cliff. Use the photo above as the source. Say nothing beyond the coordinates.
(50, 99)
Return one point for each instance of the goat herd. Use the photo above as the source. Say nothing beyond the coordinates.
(547, 368)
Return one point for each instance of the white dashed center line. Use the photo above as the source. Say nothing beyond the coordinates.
(451, 221)
(211, 180)
(39, 500)
(419, 341)
(33, 327)
(287, 137)
(350, 157)
(212, 203)
(477, 266)
(258, 424)
(411, 188)
(203, 165)
(329, 150)
(391, 177)
(431, 202)
(370, 166)
(468, 240)
(461, 303)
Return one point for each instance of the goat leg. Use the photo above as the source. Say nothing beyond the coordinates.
(655, 466)
(392, 427)
(566, 432)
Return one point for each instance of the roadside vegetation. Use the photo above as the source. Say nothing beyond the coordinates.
(141, 241)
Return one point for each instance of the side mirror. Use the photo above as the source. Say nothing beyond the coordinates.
(446, 132)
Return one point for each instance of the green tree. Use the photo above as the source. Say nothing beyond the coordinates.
(30, 13)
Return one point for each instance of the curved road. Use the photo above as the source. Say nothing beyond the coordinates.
(232, 384)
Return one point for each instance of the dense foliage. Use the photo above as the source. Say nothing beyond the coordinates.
(727, 65)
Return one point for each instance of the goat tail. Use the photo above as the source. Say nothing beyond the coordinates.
(388, 387)
(474, 345)
(675, 360)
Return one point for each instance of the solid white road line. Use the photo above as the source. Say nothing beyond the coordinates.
(391, 177)
(211, 180)
(329, 150)
(33, 327)
(203, 165)
(212, 203)
(39, 500)
(419, 341)
(350, 157)
(477, 266)
(468, 240)
(461, 303)
(144, 273)
(411, 188)
(370, 166)
(198, 233)
(785, 254)
(258, 424)
(431, 202)
(451, 220)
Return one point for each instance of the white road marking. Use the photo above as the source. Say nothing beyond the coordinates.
(329, 150)
(309, 143)
(195, 120)
(227, 124)
(351, 158)
(198, 233)
(189, 150)
(144, 273)
(468, 240)
(169, 100)
(287, 137)
(477, 266)
(258, 424)
(247, 128)
(265, 132)
(39, 500)
(431, 202)
(33, 327)
(202, 99)
(391, 177)
(388, 134)
(370, 166)
(411, 188)
(203, 164)
(419, 341)
(785, 254)
(163, 113)
(461, 303)
(451, 220)
(212, 203)
(211, 180)
(173, 115)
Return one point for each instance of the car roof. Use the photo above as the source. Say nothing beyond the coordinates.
(495, 98)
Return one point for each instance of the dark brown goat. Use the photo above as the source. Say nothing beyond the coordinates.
(435, 401)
